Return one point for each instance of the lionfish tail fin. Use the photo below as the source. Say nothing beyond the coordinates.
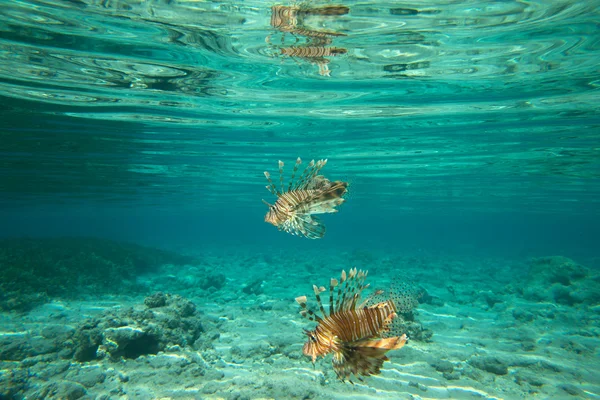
(326, 10)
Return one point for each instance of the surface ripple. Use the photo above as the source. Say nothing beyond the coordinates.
(520, 76)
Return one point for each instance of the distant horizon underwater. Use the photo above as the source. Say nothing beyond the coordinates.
(299, 200)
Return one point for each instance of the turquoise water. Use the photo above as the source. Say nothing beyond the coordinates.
(465, 128)
(461, 110)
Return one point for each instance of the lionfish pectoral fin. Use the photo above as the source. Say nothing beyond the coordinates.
(366, 357)
(374, 347)
(305, 225)
(312, 228)
(327, 199)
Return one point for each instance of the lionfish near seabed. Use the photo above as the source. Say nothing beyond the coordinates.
(358, 335)
(295, 208)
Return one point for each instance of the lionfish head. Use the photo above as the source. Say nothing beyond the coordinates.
(271, 216)
(310, 347)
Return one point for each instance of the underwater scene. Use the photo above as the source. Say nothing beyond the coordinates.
(207, 199)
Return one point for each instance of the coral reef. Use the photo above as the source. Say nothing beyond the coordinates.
(167, 321)
(168, 332)
(561, 280)
(34, 270)
(254, 287)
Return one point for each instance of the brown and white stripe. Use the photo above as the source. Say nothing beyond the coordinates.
(351, 331)
(312, 51)
(310, 194)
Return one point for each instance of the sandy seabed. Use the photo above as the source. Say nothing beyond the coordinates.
(502, 329)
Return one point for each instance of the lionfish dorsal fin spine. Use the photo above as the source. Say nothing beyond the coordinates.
(355, 298)
(305, 311)
(318, 291)
(314, 171)
(271, 187)
(298, 162)
(281, 175)
(304, 178)
(340, 290)
(332, 283)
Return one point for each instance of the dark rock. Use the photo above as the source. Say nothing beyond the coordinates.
(489, 364)
(254, 287)
(564, 295)
(526, 378)
(528, 345)
(130, 333)
(417, 385)
(452, 376)
(63, 390)
(212, 280)
(522, 315)
(491, 298)
(58, 332)
(556, 269)
(442, 366)
(14, 347)
(88, 377)
(572, 390)
(156, 300)
(13, 382)
(46, 371)
(19, 347)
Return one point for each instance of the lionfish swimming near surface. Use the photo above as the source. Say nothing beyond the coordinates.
(295, 208)
(357, 333)
(290, 19)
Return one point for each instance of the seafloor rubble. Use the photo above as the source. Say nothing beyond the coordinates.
(503, 328)
(69, 355)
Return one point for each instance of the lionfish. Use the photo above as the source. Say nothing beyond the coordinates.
(290, 19)
(314, 55)
(358, 334)
(285, 18)
(294, 210)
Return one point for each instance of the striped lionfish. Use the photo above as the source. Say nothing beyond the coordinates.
(290, 19)
(356, 333)
(294, 210)
(314, 55)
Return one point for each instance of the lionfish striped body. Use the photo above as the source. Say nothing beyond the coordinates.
(353, 332)
(309, 52)
(311, 194)
(290, 19)
(285, 18)
(314, 55)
